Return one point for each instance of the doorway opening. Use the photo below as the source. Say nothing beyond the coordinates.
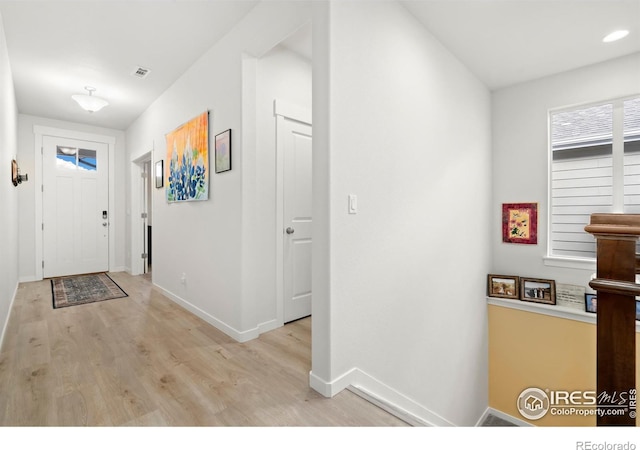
(147, 217)
(283, 99)
(141, 215)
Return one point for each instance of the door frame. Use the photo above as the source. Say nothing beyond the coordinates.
(283, 111)
(137, 208)
(40, 131)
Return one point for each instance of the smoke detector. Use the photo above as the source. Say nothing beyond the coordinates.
(140, 72)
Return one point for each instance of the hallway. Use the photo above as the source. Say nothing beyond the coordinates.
(145, 361)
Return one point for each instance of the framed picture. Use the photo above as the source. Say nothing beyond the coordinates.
(14, 172)
(520, 223)
(538, 291)
(188, 161)
(591, 303)
(504, 286)
(159, 173)
(223, 151)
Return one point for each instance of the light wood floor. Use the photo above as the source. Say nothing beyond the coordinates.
(145, 361)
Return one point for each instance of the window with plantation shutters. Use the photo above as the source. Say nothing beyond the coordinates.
(595, 168)
(632, 156)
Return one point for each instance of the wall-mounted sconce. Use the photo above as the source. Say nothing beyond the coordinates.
(16, 178)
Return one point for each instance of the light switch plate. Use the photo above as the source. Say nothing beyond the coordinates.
(353, 204)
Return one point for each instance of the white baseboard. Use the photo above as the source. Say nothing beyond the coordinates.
(483, 417)
(6, 322)
(329, 389)
(396, 403)
(268, 326)
(381, 395)
(240, 336)
(28, 279)
(118, 269)
(503, 416)
(391, 409)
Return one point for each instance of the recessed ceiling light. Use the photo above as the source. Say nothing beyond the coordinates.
(616, 35)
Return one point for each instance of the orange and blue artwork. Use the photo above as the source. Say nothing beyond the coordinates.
(187, 171)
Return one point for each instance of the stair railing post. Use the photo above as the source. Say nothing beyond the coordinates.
(616, 236)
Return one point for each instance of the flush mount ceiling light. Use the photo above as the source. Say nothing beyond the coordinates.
(616, 35)
(89, 102)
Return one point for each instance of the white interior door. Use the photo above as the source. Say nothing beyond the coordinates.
(297, 162)
(75, 204)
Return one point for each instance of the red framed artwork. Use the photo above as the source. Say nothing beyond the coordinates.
(520, 223)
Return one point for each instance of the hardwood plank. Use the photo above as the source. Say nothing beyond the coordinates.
(145, 361)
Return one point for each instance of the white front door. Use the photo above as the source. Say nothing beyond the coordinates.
(75, 207)
(297, 221)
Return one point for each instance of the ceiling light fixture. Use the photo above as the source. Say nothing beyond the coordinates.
(616, 35)
(89, 102)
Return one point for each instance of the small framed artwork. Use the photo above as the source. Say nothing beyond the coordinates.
(538, 291)
(159, 173)
(591, 303)
(503, 286)
(520, 223)
(223, 151)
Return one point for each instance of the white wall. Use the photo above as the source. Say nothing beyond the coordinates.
(408, 132)
(27, 212)
(521, 155)
(286, 76)
(212, 242)
(8, 193)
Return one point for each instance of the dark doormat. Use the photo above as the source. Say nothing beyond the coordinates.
(83, 289)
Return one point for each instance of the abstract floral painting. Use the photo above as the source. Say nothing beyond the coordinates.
(187, 171)
(520, 223)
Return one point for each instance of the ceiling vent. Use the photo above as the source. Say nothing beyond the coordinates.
(140, 72)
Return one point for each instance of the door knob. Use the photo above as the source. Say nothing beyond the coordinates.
(290, 230)
(104, 224)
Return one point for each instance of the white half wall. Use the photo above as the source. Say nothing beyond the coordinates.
(408, 131)
(8, 192)
(521, 155)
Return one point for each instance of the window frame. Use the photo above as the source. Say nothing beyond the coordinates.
(617, 155)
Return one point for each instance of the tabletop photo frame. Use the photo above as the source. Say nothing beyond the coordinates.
(503, 286)
(538, 290)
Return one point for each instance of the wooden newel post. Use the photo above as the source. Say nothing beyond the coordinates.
(616, 236)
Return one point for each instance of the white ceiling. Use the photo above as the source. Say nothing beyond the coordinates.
(505, 42)
(58, 47)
